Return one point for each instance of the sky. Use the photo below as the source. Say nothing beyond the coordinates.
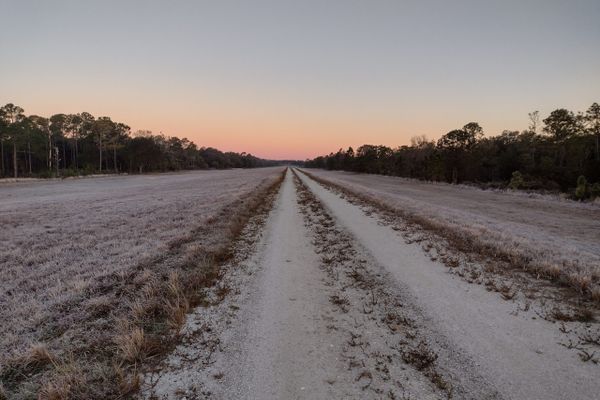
(296, 79)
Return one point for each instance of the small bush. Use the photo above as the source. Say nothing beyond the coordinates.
(45, 175)
(581, 190)
(595, 190)
(516, 181)
(68, 173)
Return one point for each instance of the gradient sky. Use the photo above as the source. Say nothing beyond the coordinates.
(295, 79)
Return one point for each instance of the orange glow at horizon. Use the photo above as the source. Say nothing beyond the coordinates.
(285, 137)
(287, 134)
(295, 80)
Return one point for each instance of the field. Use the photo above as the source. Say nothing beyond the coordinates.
(60, 238)
(314, 285)
(561, 237)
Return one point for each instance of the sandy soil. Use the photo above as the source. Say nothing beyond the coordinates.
(288, 351)
(334, 304)
(553, 230)
(58, 237)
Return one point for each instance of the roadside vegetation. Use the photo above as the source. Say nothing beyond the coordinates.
(563, 154)
(81, 144)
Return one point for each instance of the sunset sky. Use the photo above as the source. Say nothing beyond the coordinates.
(296, 79)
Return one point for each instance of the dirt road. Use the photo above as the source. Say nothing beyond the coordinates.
(333, 304)
(288, 351)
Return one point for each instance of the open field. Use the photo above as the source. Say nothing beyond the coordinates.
(299, 291)
(560, 237)
(61, 239)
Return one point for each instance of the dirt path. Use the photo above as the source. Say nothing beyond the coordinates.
(287, 351)
(334, 305)
(519, 354)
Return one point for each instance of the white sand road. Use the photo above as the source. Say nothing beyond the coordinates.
(278, 342)
(288, 351)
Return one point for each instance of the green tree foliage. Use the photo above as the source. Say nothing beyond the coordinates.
(566, 148)
(70, 144)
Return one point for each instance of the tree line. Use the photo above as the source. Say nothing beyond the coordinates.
(79, 144)
(559, 154)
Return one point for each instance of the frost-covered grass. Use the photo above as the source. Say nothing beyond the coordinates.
(560, 239)
(58, 238)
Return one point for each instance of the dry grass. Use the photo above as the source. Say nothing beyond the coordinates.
(583, 280)
(130, 344)
(122, 321)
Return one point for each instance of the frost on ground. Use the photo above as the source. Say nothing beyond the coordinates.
(384, 349)
(524, 350)
(305, 317)
(334, 303)
(560, 237)
(59, 237)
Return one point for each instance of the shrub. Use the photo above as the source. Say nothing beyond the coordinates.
(45, 174)
(516, 181)
(68, 173)
(595, 190)
(581, 189)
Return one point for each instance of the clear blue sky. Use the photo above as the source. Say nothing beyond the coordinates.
(299, 78)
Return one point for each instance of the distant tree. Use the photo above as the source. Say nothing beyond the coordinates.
(562, 124)
(3, 136)
(13, 116)
(419, 141)
(592, 120)
(42, 125)
(71, 141)
(456, 143)
(73, 127)
(460, 139)
(569, 148)
(29, 135)
(59, 127)
(143, 153)
(534, 121)
(102, 128)
(116, 139)
(474, 131)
